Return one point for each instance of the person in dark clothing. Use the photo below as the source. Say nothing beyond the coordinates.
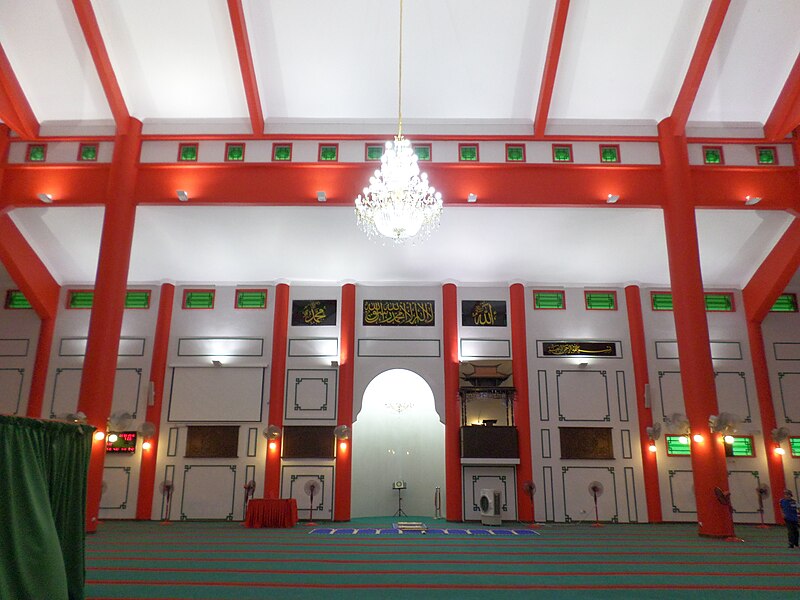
(789, 508)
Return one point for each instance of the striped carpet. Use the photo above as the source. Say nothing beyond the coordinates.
(213, 560)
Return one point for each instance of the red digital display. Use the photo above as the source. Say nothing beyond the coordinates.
(125, 442)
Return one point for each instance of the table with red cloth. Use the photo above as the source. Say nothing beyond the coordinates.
(271, 512)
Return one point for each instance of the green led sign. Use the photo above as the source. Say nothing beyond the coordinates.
(234, 152)
(328, 153)
(515, 153)
(741, 446)
(712, 155)
(794, 446)
(548, 300)
(88, 152)
(198, 299)
(16, 299)
(467, 153)
(80, 299)
(187, 152)
(661, 301)
(282, 152)
(719, 302)
(374, 152)
(37, 152)
(766, 156)
(609, 154)
(601, 300)
(562, 153)
(785, 303)
(137, 299)
(251, 298)
(423, 151)
(678, 445)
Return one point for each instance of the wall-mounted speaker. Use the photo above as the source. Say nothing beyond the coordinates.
(647, 395)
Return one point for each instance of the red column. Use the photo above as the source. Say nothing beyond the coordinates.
(277, 388)
(522, 414)
(709, 467)
(633, 301)
(158, 369)
(100, 363)
(344, 458)
(40, 365)
(452, 409)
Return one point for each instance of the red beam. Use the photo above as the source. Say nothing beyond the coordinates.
(785, 115)
(97, 48)
(727, 187)
(15, 110)
(697, 66)
(550, 67)
(246, 65)
(69, 185)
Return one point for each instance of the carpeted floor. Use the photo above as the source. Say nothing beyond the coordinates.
(213, 560)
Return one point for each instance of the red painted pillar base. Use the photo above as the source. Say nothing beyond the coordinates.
(452, 409)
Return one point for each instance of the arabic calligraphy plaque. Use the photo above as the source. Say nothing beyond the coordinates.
(483, 313)
(313, 313)
(578, 348)
(399, 313)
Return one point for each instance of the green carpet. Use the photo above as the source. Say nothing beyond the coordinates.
(213, 560)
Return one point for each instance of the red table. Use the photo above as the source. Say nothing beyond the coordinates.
(271, 512)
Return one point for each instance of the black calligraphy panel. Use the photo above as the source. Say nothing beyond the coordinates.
(578, 348)
(406, 313)
(312, 313)
(483, 313)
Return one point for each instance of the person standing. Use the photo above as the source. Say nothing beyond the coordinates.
(789, 508)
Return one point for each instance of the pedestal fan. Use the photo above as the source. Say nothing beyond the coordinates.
(596, 490)
(166, 487)
(530, 489)
(311, 488)
(763, 493)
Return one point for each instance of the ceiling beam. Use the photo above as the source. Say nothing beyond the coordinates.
(246, 65)
(774, 274)
(550, 67)
(15, 111)
(102, 63)
(785, 115)
(697, 67)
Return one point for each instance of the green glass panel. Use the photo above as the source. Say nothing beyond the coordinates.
(794, 446)
(423, 151)
(712, 156)
(188, 152)
(36, 152)
(661, 301)
(374, 152)
(562, 153)
(609, 154)
(89, 152)
(766, 156)
(676, 448)
(251, 299)
(81, 299)
(16, 299)
(719, 302)
(137, 299)
(328, 152)
(199, 300)
(601, 301)
(785, 303)
(469, 153)
(235, 152)
(548, 300)
(282, 153)
(515, 153)
(741, 446)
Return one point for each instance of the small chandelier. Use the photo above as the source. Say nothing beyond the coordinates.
(398, 204)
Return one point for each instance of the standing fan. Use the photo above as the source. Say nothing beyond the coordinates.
(763, 492)
(249, 490)
(311, 488)
(596, 490)
(724, 498)
(530, 489)
(166, 487)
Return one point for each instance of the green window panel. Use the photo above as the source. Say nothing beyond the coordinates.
(328, 153)
(785, 303)
(37, 152)
(601, 300)
(198, 299)
(374, 152)
(741, 446)
(251, 298)
(677, 447)
(661, 301)
(766, 156)
(79, 299)
(562, 154)
(712, 156)
(187, 153)
(88, 152)
(423, 151)
(234, 152)
(468, 153)
(548, 300)
(794, 446)
(137, 299)
(515, 153)
(609, 154)
(719, 302)
(282, 152)
(16, 299)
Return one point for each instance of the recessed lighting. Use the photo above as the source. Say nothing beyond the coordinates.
(321, 197)
(751, 200)
(216, 363)
(612, 198)
(472, 197)
(46, 198)
(183, 195)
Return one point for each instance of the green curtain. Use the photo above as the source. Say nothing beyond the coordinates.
(43, 473)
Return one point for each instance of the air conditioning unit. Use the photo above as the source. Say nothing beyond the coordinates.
(489, 503)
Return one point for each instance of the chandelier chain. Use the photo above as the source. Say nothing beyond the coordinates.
(400, 79)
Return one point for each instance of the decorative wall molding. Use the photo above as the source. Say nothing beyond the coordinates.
(11, 390)
(14, 347)
(66, 387)
(76, 346)
(197, 503)
(398, 348)
(116, 479)
(579, 479)
(786, 350)
(582, 395)
(314, 347)
(311, 395)
(484, 348)
(789, 387)
(220, 346)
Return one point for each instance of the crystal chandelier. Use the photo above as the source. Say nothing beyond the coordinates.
(398, 204)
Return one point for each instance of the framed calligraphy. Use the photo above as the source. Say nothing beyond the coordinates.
(399, 313)
(313, 313)
(483, 313)
(580, 348)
